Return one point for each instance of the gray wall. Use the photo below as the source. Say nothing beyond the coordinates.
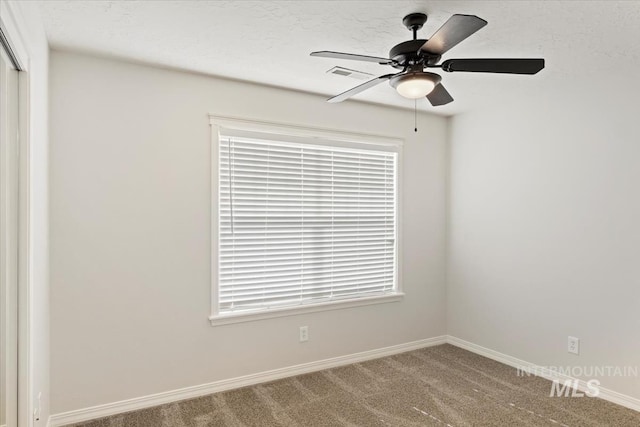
(544, 230)
(130, 233)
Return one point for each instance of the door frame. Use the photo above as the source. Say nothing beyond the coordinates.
(12, 25)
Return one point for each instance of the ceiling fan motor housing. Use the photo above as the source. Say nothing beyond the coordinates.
(406, 53)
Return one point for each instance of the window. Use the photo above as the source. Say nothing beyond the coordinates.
(303, 222)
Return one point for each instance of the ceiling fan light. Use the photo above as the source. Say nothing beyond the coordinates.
(415, 85)
(415, 88)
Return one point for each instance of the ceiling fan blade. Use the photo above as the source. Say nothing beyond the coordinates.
(360, 88)
(352, 56)
(439, 96)
(452, 32)
(507, 66)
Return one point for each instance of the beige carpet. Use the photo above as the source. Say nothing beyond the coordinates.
(436, 386)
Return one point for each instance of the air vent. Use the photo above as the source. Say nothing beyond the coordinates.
(346, 72)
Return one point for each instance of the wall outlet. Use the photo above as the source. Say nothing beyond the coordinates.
(573, 345)
(304, 333)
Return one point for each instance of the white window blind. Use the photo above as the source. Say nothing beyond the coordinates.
(303, 224)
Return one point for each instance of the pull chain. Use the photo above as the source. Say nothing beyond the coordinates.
(415, 115)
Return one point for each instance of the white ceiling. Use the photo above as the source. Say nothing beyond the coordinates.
(269, 41)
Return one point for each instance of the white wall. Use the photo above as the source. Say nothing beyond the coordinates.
(544, 230)
(31, 35)
(130, 233)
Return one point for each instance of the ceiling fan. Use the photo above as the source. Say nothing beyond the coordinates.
(413, 57)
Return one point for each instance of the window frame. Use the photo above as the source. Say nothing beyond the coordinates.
(312, 135)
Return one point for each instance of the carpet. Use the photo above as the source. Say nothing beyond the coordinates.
(441, 386)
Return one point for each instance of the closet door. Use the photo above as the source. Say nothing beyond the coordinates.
(8, 241)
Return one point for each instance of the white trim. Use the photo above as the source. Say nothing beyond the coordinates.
(25, 297)
(240, 124)
(217, 320)
(138, 403)
(12, 23)
(215, 215)
(606, 394)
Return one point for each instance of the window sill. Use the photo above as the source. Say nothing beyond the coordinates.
(225, 319)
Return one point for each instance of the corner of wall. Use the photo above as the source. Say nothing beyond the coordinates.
(447, 211)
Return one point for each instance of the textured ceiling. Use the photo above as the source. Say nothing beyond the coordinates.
(270, 41)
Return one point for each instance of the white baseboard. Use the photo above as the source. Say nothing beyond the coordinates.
(606, 394)
(137, 403)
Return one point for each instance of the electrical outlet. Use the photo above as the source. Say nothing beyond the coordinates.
(573, 345)
(304, 333)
